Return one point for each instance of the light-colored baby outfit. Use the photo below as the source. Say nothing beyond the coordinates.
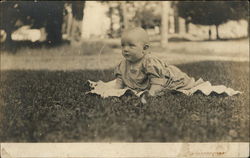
(150, 70)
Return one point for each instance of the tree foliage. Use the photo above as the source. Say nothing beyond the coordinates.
(212, 12)
(38, 14)
(48, 14)
(139, 13)
(147, 19)
(239, 9)
(148, 15)
(77, 9)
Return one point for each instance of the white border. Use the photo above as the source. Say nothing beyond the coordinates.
(124, 150)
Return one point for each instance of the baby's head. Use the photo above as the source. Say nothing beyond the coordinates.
(135, 42)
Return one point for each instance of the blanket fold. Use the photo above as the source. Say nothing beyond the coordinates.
(107, 89)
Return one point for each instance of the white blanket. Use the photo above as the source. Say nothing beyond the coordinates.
(107, 89)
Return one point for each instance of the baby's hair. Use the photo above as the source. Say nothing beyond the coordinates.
(138, 32)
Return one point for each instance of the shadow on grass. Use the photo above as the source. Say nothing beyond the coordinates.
(64, 47)
(228, 39)
(13, 46)
(51, 106)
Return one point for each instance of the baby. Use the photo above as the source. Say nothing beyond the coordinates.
(140, 71)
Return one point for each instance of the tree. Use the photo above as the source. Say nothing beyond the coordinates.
(147, 19)
(212, 12)
(124, 14)
(76, 26)
(117, 8)
(239, 10)
(9, 15)
(146, 15)
(54, 20)
(164, 23)
(176, 17)
(38, 14)
(48, 14)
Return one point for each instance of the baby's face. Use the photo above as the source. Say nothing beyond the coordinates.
(132, 48)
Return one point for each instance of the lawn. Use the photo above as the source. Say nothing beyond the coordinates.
(51, 106)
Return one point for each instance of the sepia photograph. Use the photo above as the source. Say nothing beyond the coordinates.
(124, 72)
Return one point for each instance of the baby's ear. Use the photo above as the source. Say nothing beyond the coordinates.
(146, 46)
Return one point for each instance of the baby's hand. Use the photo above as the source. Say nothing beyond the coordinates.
(155, 90)
(144, 97)
(119, 83)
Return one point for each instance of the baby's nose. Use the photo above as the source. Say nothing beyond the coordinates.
(125, 51)
(125, 48)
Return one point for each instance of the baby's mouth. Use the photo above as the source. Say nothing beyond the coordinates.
(126, 55)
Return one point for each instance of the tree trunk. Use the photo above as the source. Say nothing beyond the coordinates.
(124, 15)
(164, 23)
(8, 41)
(7, 22)
(186, 26)
(8, 31)
(176, 18)
(77, 11)
(248, 29)
(111, 22)
(217, 32)
(54, 23)
(53, 28)
(69, 23)
(209, 33)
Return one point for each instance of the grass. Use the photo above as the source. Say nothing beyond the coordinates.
(64, 49)
(51, 106)
(96, 55)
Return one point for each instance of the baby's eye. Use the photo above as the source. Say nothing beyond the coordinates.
(131, 45)
(124, 44)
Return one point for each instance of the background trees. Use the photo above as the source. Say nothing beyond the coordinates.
(147, 14)
(38, 14)
(164, 23)
(212, 12)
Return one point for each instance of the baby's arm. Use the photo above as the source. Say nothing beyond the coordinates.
(156, 86)
(154, 69)
(119, 83)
